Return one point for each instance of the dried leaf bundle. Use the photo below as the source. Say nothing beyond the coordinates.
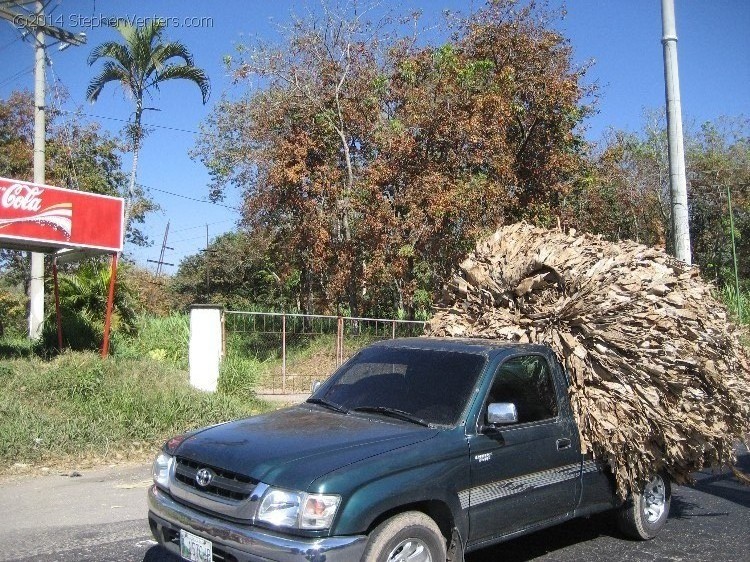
(659, 377)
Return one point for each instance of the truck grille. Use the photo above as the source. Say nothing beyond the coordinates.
(224, 484)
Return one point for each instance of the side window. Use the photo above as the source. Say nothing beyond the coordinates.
(526, 382)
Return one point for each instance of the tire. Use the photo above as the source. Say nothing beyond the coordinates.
(645, 514)
(406, 537)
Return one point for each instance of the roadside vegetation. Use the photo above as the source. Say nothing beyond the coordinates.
(75, 409)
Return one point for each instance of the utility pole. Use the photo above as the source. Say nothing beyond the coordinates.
(208, 265)
(207, 253)
(36, 286)
(677, 180)
(35, 24)
(164, 247)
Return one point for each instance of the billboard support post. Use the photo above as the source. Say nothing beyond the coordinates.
(110, 304)
(58, 319)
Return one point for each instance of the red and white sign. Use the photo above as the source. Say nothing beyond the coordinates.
(46, 217)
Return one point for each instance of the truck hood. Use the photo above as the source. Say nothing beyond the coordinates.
(292, 447)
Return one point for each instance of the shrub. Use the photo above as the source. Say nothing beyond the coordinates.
(83, 306)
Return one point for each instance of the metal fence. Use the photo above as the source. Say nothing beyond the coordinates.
(294, 350)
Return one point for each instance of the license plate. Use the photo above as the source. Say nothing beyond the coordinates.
(194, 548)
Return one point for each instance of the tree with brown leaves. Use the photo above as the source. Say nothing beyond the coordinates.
(378, 160)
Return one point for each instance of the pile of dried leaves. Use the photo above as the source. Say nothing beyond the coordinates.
(659, 377)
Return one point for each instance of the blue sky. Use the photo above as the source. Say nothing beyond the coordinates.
(623, 38)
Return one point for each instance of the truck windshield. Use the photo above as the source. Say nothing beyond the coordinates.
(428, 384)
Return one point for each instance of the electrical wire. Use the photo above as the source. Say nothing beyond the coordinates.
(145, 125)
(202, 225)
(237, 209)
(16, 76)
(11, 42)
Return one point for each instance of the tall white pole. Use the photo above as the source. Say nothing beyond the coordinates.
(677, 181)
(36, 287)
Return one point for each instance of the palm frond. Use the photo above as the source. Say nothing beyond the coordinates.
(145, 43)
(184, 72)
(111, 72)
(128, 31)
(167, 51)
(112, 50)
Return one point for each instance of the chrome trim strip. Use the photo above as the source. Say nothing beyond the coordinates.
(592, 466)
(502, 488)
(248, 542)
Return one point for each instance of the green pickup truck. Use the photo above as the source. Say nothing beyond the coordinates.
(416, 450)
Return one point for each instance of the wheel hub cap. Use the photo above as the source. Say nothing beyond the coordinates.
(654, 499)
(410, 550)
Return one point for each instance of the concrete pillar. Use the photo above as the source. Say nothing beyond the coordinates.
(205, 346)
(677, 177)
(36, 284)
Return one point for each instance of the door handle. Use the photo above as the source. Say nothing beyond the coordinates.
(563, 444)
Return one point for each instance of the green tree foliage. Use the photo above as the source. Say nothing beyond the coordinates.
(140, 65)
(718, 161)
(17, 135)
(242, 274)
(626, 194)
(374, 162)
(152, 293)
(12, 310)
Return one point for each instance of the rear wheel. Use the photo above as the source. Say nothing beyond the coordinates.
(644, 515)
(406, 537)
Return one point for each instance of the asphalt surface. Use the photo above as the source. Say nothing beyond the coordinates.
(101, 516)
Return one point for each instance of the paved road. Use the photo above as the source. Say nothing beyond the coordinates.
(101, 516)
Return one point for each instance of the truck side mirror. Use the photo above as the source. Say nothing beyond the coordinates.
(315, 386)
(502, 413)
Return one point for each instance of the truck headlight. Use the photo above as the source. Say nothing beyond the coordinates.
(161, 469)
(298, 510)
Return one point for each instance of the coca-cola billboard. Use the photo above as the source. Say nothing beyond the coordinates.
(34, 216)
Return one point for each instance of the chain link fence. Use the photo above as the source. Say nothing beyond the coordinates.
(291, 351)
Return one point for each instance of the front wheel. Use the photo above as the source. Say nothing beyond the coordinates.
(644, 515)
(406, 537)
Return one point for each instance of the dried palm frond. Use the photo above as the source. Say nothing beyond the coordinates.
(659, 377)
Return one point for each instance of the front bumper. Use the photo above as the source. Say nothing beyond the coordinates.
(240, 543)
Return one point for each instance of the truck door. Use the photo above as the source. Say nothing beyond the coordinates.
(526, 472)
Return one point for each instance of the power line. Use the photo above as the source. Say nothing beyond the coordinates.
(237, 209)
(146, 125)
(11, 42)
(201, 226)
(189, 239)
(164, 248)
(16, 76)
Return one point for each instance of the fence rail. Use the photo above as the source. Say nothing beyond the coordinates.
(297, 349)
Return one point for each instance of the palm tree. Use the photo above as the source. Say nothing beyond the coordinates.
(140, 65)
(83, 304)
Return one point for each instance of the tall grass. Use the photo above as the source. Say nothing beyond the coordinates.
(163, 339)
(78, 405)
(738, 305)
(239, 375)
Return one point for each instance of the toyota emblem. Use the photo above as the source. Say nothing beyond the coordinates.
(204, 477)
